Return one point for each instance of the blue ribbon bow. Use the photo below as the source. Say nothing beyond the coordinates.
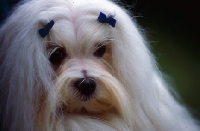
(103, 19)
(45, 31)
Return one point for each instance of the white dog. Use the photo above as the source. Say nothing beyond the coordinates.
(81, 65)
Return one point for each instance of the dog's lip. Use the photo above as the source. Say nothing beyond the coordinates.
(85, 98)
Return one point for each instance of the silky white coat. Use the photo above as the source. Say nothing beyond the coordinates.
(130, 93)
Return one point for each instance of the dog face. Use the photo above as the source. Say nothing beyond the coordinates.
(81, 75)
(85, 78)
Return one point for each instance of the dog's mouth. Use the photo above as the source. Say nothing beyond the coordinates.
(86, 95)
(87, 107)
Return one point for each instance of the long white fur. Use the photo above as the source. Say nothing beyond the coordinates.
(31, 92)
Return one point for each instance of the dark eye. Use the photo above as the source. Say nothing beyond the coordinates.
(101, 49)
(57, 56)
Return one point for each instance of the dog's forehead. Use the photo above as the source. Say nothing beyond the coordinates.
(76, 21)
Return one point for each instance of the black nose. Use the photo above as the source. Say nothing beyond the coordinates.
(86, 86)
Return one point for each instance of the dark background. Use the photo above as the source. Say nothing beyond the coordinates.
(172, 27)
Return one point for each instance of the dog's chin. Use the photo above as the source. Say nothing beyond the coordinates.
(93, 106)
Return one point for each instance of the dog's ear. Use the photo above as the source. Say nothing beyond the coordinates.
(25, 70)
(137, 70)
(131, 56)
(134, 66)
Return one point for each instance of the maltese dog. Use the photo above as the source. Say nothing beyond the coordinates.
(82, 65)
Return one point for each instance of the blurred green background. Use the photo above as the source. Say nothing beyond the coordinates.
(173, 29)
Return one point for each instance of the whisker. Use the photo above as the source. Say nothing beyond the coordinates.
(103, 42)
(104, 61)
(82, 81)
(91, 78)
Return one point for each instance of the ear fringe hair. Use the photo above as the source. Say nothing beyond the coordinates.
(22, 57)
(142, 79)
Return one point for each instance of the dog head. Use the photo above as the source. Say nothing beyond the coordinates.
(82, 66)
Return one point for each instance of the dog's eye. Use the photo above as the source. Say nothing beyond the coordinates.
(101, 49)
(57, 56)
